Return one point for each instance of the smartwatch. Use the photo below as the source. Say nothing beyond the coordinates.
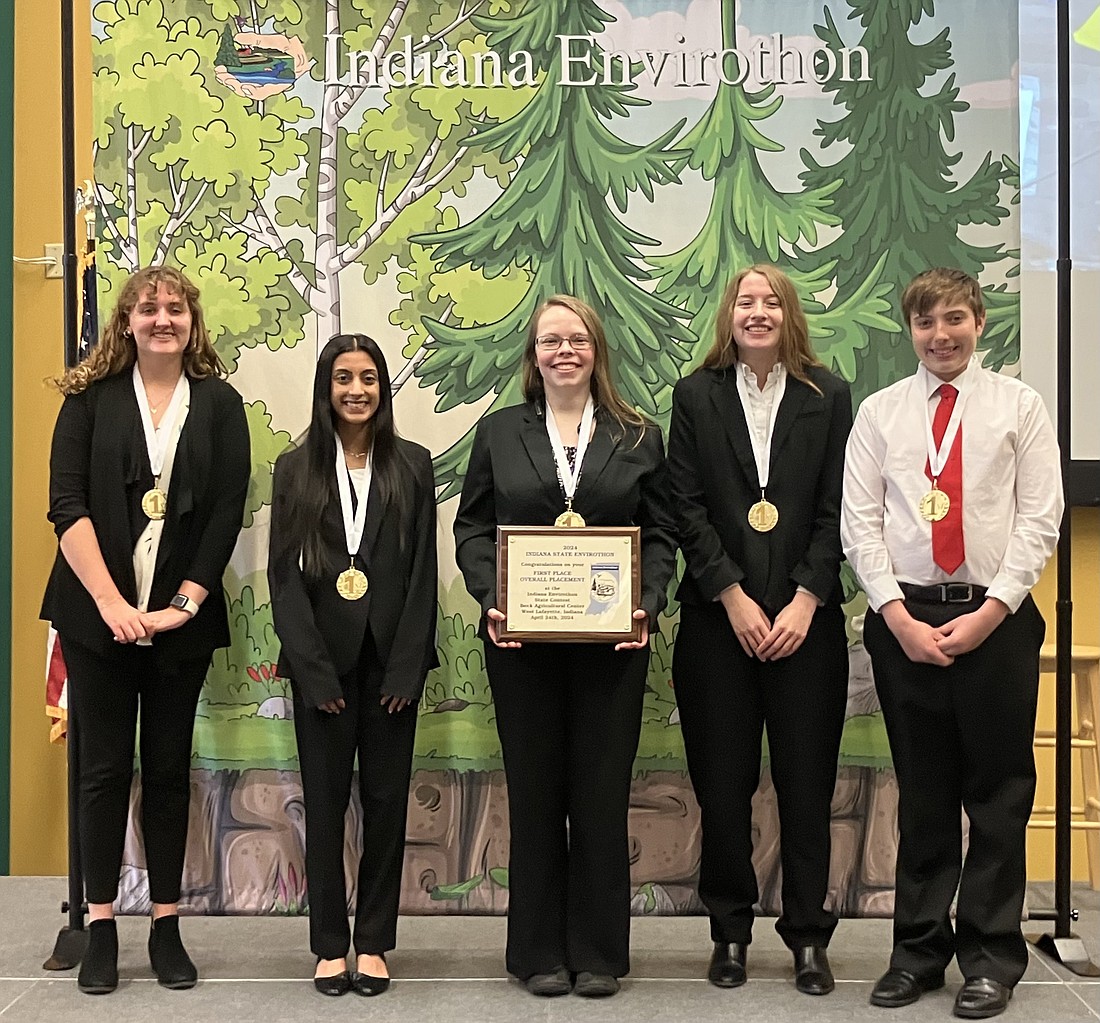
(182, 602)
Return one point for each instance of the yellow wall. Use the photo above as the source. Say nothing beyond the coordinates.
(38, 836)
(1086, 631)
(38, 828)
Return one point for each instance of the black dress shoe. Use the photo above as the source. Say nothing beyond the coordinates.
(595, 985)
(727, 964)
(340, 984)
(981, 997)
(168, 957)
(367, 986)
(550, 985)
(896, 988)
(99, 966)
(812, 975)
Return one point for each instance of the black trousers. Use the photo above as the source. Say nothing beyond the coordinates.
(569, 717)
(107, 693)
(961, 738)
(725, 699)
(327, 748)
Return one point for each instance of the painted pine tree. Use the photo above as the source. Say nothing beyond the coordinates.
(752, 221)
(901, 204)
(554, 222)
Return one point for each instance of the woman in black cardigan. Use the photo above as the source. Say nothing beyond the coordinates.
(149, 471)
(352, 572)
(568, 714)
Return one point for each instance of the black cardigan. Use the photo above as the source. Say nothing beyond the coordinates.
(99, 469)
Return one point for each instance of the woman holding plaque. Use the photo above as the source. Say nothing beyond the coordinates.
(756, 458)
(568, 714)
(352, 572)
(149, 472)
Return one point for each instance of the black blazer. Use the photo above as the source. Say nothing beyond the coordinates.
(512, 480)
(322, 633)
(99, 468)
(714, 483)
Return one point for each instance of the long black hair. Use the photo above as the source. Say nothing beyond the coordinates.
(315, 485)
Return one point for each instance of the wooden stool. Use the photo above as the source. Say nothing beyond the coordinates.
(1085, 668)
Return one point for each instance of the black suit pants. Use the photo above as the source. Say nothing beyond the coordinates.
(327, 748)
(726, 698)
(569, 717)
(107, 693)
(961, 738)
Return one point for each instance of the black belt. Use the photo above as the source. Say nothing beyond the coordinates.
(944, 593)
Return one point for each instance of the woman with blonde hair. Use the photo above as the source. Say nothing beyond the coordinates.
(756, 458)
(568, 714)
(149, 471)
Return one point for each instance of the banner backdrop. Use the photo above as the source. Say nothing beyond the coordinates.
(427, 173)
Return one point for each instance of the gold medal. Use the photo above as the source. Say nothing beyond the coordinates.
(351, 584)
(154, 503)
(935, 505)
(763, 516)
(569, 519)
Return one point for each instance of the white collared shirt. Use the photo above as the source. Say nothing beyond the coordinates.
(1012, 487)
(761, 400)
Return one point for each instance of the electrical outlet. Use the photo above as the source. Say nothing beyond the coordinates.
(57, 254)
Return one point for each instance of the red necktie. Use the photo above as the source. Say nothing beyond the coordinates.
(948, 550)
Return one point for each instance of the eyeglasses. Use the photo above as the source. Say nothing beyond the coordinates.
(552, 342)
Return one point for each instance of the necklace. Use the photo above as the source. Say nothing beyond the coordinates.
(160, 401)
(350, 454)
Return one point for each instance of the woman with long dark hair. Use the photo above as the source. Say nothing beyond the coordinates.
(352, 572)
(569, 714)
(756, 457)
(149, 472)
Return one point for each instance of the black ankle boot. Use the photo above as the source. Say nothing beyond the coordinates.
(169, 958)
(99, 967)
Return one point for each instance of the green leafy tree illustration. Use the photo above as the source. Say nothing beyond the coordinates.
(750, 220)
(901, 206)
(552, 229)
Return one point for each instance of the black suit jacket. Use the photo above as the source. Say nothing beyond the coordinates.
(99, 468)
(322, 633)
(512, 481)
(714, 483)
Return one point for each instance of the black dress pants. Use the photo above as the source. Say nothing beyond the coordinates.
(107, 693)
(569, 717)
(961, 738)
(327, 748)
(725, 699)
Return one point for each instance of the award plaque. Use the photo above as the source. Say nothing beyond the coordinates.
(569, 585)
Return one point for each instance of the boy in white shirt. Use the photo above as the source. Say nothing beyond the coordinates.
(952, 504)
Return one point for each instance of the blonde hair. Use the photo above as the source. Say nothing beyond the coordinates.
(795, 351)
(117, 351)
(604, 392)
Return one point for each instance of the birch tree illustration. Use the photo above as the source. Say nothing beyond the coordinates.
(272, 202)
(751, 221)
(555, 224)
(901, 207)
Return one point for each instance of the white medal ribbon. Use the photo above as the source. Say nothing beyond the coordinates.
(761, 446)
(165, 446)
(354, 522)
(937, 458)
(157, 447)
(570, 477)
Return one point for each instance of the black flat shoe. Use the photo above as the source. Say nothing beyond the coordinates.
(896, 988)
(595, 985)
(812, 975)
(550, 985)
(727, 964)
(99, 967)
(334, 986)
(981, 997)
(168, 957)
(367, 986)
